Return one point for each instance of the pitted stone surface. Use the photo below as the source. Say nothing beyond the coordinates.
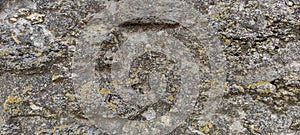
(149, 67)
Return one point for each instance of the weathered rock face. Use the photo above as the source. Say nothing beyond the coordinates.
(149, 67)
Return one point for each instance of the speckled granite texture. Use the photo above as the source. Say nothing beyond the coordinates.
(150, 67)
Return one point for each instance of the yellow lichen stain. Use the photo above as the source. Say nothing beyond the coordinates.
(241, 88)
(104, 91)
(296, 23)
(55, 77)
(207, 81)
(223, 5)
(216, 16)
(223, 22)
(52, 32)
(284, 20)
(14, 37)
(227, 42)
(72, 97)
(187, 49)
(171, 98)
(26, 90)
(112, 106)
(265, 91)
(257, 97)
(213, 90)
(237, 3)
(14, 100)
(22, 13)
(262, 42)
(252, 127)
(59, 54)
(15, 111)
(266, 15)
(58, 2)
(134, 81)
(251, 86)
(204, 83)
(230, 24)
(5, 106)
(202, 53)
(270, 103)
(11, 100)
(56, 128)
(38, 54)
(53, 115)
(278, 94)
(107, 83)
(5, 53)
(295, 90)
(263, 83)
(176, 86)
(70, 104)
(292, 76)
(206, 128)
(36, 18)
(295, 78)
(255, 6)
(227, 88)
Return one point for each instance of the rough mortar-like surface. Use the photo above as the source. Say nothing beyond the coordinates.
(147, 67)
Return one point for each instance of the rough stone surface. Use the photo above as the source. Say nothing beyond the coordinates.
(171, 67)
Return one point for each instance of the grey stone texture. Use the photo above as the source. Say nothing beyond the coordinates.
(147, 67)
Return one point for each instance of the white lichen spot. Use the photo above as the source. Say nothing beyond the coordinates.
(35, 107)
(166, 119)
